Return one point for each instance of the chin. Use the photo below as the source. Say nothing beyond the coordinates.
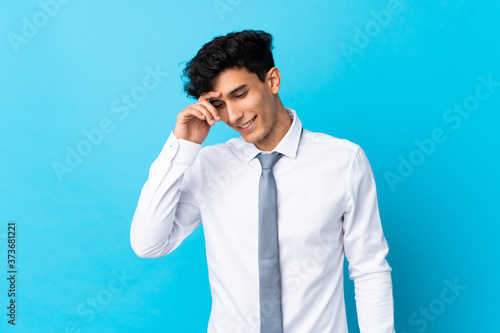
(253, 137)
(249, 138)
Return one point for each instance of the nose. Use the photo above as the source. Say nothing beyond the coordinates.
(234, 115)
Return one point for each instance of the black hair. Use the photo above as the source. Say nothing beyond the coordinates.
(251, 49)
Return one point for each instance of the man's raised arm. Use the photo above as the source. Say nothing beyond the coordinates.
(167, 211)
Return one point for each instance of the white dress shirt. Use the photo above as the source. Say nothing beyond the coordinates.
(327, 207)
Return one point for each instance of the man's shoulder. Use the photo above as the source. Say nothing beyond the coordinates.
(231, 146)
(327, 142)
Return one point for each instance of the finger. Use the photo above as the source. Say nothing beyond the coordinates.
(209, 94)
(211, 108)
(195, 112)
(209, 118)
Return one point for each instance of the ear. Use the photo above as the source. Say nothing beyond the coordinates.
(274, 79)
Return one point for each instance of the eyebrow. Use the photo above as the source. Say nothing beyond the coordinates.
(231, 92)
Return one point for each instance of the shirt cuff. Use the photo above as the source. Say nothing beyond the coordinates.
(179, 150)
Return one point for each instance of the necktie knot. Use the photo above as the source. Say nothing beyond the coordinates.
(267, 161)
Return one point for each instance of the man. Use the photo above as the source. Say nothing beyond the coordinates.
(326, 203)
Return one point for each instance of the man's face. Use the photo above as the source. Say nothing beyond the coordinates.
(245, 98)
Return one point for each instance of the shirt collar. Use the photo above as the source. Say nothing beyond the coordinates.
(287, 146)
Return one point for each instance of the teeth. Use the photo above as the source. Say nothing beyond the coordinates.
(247, 124)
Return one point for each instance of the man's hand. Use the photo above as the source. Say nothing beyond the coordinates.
(193, 123)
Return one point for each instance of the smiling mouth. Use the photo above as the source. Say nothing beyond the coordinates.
(247, 123)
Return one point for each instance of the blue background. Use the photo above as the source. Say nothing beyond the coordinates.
(67, 76)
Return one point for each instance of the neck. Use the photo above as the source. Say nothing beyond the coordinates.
(282, 124)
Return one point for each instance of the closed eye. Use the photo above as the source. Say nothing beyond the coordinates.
(238, 96)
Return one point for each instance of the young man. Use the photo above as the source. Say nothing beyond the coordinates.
(322, 203)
